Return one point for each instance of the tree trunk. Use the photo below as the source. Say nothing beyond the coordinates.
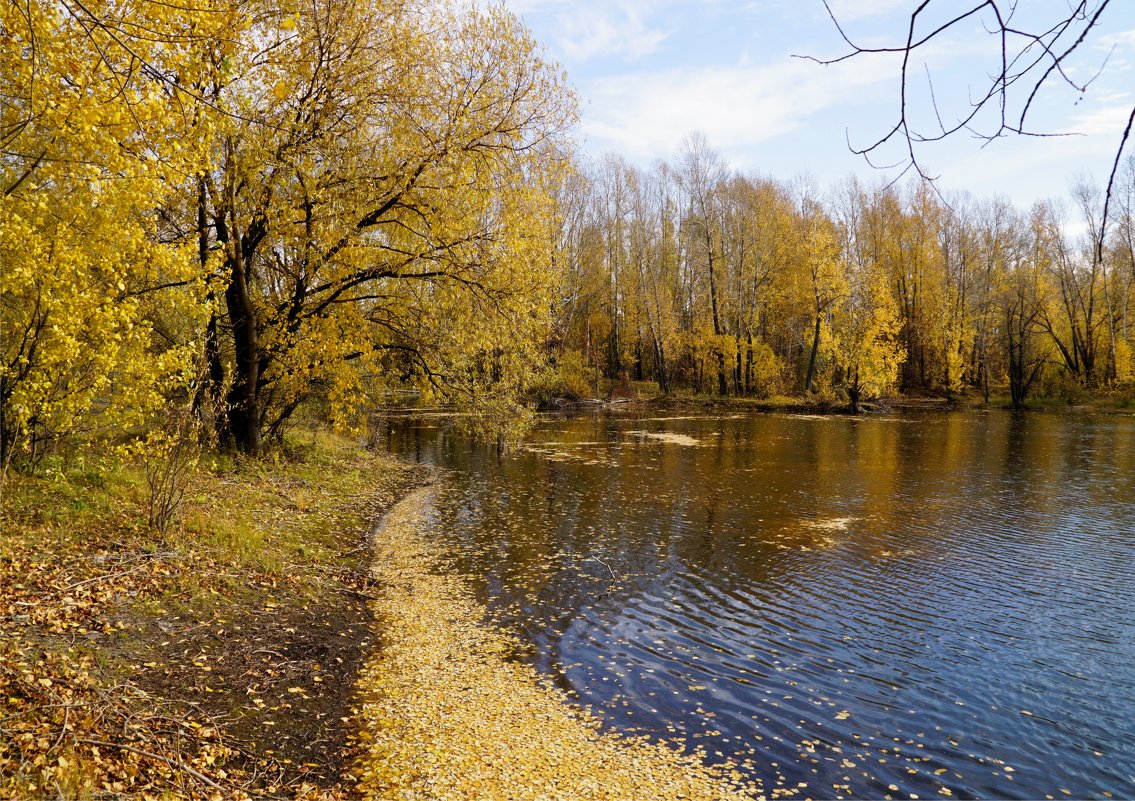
(738, 366)
(207, 401)
(812, 357)
(243, 400)
(853, 393)
(660, 357)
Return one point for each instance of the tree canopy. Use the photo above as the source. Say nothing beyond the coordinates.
(268, 202)
(245, 207)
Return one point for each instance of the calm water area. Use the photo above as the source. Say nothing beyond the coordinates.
(930, 604)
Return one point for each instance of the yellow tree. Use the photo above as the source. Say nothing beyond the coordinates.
(580, 324)
(380, 207)
(1024, 299)
(1077, 321)
(864, 345)
(1002, 236)
(756, 221)
(950, 326)
(702, 176)
(612, 199)
(649, 303)
(824, 281)
(97, 127)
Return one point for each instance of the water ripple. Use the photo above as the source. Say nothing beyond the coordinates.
(931, 605)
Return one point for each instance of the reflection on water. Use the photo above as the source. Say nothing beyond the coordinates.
(924, 605)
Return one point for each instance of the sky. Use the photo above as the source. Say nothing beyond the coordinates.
(648, 72)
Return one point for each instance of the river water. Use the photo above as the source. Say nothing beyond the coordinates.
(916, 605)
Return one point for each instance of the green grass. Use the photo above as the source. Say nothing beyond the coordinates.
(275, 516)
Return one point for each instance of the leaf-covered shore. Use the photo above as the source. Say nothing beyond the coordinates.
(448, 715)
(270, 647)
(217, 661)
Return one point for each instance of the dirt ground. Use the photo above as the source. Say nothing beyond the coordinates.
(274, 674)
(218, 661)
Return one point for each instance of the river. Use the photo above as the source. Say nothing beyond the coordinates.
(924, 604)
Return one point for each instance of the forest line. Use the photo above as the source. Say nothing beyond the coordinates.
(695, 275)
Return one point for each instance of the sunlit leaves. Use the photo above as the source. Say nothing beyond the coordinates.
(446, 707)
(384, 216)
(95, 134)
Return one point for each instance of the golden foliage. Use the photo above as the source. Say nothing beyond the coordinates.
(96, 135)
(383, 213)
(275, 200)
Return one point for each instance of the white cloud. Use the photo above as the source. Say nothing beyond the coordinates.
(1119, 39)
(645, 114)
(590, 29)
(582, 37)
(1107, 120)
(650, 71)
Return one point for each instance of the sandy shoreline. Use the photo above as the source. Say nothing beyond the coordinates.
(446, 715)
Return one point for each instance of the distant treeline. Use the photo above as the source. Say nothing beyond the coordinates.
(696, 276)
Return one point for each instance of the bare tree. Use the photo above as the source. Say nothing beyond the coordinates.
(1031, 57)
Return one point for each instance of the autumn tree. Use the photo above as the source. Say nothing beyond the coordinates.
(1024, 297)
(653, 261)
(1073, 320)
(953, 298)
(380, 204)
(701, 277)
(1000, 238)
(702, 173)
(613, 204)
(824, 281)
(757, 248)
(863, 343)
(578, 283)
(97, 128)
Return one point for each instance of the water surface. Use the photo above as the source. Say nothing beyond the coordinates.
(920, 605)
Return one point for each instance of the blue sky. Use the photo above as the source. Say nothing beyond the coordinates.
(650, 71)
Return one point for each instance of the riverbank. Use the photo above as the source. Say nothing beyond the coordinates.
(448, 715)
(216, 661)
(646, 397)
(224, 660)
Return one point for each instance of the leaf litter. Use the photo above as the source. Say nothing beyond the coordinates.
(173, 668)
(447, 714)
(665, 436)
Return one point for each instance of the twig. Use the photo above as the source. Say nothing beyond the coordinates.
(269, 651)
(176, 763)
(106, 577)
(63, 731)
(600, 561)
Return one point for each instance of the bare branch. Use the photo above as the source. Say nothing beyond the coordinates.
(1028, 61)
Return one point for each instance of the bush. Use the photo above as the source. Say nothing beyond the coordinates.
(568, 376)
(169, 456)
